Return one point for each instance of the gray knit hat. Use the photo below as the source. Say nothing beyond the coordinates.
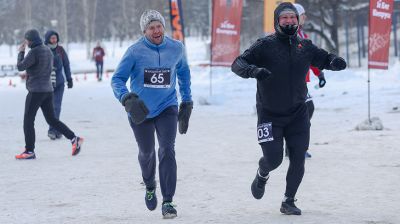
(149, 16)
(287, 10)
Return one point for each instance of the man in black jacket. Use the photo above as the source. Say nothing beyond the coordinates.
(280, 63)
(38, 64)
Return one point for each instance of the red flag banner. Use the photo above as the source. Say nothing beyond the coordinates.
(380, 20)
(225, 39)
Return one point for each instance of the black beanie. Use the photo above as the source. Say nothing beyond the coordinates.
(32, 35)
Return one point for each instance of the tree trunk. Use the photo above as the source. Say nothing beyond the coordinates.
(94, 20)
(124, 22)
(87, 27)
(334, 27)
(28, 14)
(65, 23)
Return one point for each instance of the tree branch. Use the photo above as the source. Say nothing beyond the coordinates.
(312, 29)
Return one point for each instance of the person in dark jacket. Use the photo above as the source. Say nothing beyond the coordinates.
(61, 73)
(280, 63)
(98, 55)
(38, 64)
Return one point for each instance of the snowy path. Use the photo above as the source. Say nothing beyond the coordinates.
(353, 176)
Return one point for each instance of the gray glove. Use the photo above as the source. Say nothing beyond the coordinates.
(135, 107)
(185, 110)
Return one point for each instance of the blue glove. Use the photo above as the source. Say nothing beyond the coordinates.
(322, 80)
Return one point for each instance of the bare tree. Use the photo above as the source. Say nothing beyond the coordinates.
(65, 22)
(327, 15)
(93, 25)
(89, 20)
(28, 14)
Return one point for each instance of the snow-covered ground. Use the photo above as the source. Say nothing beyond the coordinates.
(353, 176)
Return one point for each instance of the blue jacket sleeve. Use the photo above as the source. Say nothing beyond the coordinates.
(67, 69)
(183, 74)
(121, 75)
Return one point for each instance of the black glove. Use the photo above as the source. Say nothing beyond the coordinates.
(260, 73)
(337, 64)
(135, 107)
(322, 80)
(70, 83)
(185, 110)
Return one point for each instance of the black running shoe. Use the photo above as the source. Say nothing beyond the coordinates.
(151, 199)
(258, 185)
(168, 210)
(289, 208)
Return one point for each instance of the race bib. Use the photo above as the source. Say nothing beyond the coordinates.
(157, 77)
(264, 132)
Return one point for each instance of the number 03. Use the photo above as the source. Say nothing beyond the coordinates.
(263, 132)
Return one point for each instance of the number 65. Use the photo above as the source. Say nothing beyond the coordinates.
(157, 78)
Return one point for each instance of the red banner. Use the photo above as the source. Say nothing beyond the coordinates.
(225, 39)
(380, 20)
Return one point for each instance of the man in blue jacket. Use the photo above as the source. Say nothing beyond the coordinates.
(61, 73)
(153, 64)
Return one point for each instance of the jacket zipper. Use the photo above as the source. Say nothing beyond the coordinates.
(290, 69)
(159, 57)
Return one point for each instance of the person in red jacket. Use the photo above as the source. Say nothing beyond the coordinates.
(98, 54)
(316, 71)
